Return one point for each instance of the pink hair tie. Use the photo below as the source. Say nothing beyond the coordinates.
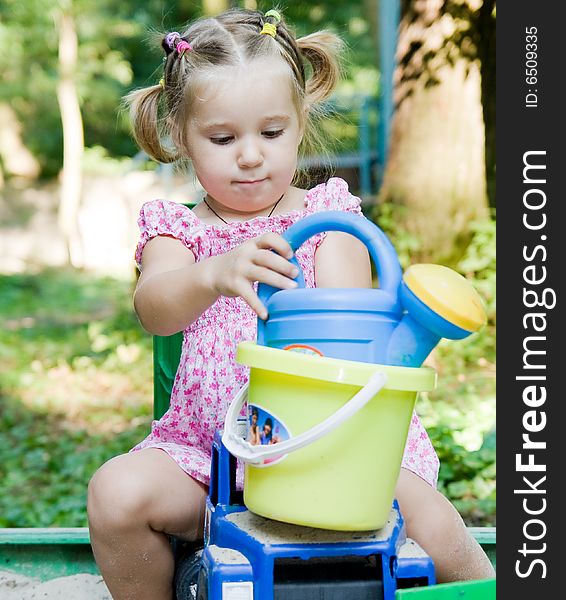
(182, 47)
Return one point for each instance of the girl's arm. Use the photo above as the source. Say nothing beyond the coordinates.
(174, 290)
(342, 261)
(257, 440)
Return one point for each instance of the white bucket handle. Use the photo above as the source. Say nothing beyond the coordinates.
(243, 450)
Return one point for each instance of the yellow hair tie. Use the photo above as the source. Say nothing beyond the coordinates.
(269, 29)
(162, 83)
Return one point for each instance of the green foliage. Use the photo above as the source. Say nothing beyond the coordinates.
(115, 56)
(460, 414)
(387, 216)
(46, 465)
(74, 391)
(467, 478)
(479, 263)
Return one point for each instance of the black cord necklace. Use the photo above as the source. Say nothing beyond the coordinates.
(227, 223)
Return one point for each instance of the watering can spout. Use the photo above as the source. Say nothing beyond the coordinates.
(438, 303)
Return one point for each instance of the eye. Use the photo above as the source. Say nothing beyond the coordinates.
(272, 133)
(222, 141)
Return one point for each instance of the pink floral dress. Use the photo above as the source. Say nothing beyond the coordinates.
(208, 376)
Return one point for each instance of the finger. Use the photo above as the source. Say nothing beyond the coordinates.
(274, 262)
(275, 242)
(251, 298)
(272, 278)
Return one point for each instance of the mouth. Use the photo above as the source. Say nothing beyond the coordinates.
(251, 181)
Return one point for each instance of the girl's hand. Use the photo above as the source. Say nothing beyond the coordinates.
(234, 273)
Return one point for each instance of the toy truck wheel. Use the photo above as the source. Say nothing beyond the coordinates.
(202, 587)
(187, 575)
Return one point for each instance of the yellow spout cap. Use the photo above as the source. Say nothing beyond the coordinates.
(447, 293)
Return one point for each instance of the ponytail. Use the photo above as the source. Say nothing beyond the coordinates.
(322, 50)
(144, 117)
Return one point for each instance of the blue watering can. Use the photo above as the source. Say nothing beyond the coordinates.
(397, 324)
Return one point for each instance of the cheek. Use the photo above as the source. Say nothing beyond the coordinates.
(288, 157)
(208, 164)
(292, 148)
(209, 179)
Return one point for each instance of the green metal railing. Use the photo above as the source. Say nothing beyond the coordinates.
(46, 553)
(462, 590)
(49, 553)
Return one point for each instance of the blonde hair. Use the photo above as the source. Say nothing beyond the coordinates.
(160, 112)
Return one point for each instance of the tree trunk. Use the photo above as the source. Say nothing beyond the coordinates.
(73, 138)
(486, 52)
(435, 169)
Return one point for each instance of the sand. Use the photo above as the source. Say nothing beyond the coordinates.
(73, 587)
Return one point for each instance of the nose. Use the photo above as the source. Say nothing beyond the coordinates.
(250, 154)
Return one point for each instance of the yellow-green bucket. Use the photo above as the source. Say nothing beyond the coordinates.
(345, 479)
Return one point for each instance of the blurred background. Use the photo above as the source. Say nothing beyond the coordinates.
(412, 127)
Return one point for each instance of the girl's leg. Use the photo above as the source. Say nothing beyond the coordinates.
(134, 500)
(434, 523)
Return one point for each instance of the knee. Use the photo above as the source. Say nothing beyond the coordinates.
(118, 496)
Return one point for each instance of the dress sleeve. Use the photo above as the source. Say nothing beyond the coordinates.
(332, 195)
(161, 217)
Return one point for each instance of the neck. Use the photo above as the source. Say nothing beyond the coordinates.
(224, 213)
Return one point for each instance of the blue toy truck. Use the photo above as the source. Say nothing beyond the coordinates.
(248, 557)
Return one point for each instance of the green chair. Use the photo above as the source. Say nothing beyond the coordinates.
(166, 355)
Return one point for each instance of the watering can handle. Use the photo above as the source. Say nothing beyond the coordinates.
(380, 249)
(243, 450)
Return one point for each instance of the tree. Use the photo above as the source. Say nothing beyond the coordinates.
(441, 162)
(73, 136)
(51, 81)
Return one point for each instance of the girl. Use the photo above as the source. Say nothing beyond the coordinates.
(254, 435)
(238, 103)
(266, 435)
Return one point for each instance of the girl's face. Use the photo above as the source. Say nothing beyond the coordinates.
(243, 135)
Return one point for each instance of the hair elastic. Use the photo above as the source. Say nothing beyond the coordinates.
(171, 38)
(273, 13)
(182, 47)
(162, 83)
(269, 29)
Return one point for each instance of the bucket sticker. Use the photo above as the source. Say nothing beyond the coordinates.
(304, 349)
(264, 429)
